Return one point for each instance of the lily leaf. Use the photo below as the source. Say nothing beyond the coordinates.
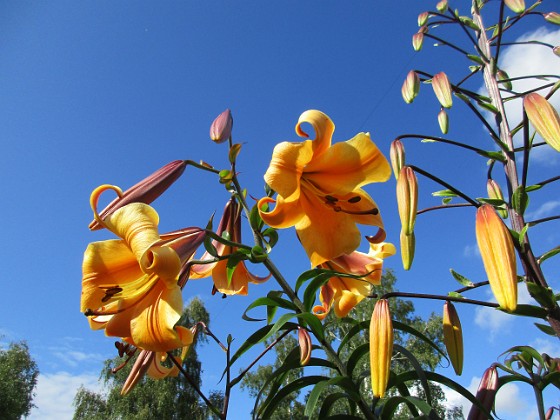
(461, 279)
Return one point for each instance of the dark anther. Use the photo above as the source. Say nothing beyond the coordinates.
(355, 199)
(331, 199)
(88, 312)
(375, 211)
(109, 293)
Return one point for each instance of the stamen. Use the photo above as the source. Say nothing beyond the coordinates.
(330, 199)
(355, 199)
(110, 292)
(127, 349)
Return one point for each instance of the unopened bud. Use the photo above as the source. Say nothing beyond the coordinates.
(544, 118)
(410, 87)
(442, 89)
(380, 347)
(407, 198)
(498, 255)
(495, 193)
(552, 17)
(423, 18)
(220, 130)
(304, 346)
(516, 6)
(417, 41)
(486, 394)
(556, 50)
(396, 155)
(443, 121)
(408, 244)
(442, 6)
(453, 336)
(145, 191)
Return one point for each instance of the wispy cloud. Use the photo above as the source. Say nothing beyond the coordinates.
(544, 210)
(526, 59)
(55, 393)
(70, 353)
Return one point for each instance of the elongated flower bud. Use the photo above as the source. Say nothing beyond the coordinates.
(553, 17)
(304, 346)
(498, 255)
(407, 198)
(544, 118)
(408, 243)
(486, 394)
(495, 193)
(453, 336)
(423, 18)
(442, 6)
(443, 121)
(380, 347)
(516, 6)
(397, 156)
(442, 89)
(146, 190)
(410, 87)
(417, 41)
(220, 130)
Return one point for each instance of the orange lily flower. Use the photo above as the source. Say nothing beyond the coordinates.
(319, 188)
(129, 285)
(344, 293)
(239, 285)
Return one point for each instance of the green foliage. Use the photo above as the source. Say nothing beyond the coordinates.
(18, 378)
(171, 398)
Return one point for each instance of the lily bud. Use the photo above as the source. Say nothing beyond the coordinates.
(553, 17)
(495, 193)
(408, 243)
(486, 394)
(516, 6)
(304, 346)
(410, 87)
(220, 130)
(380, 347)
(453, 336)
(443, 121)
(442, 89)
(556, 50)
(442, 6)
(544, 118)
(396, 154)
(145, 191)
(498, 255)
(417, 41)
(423, 18)
(407, 198)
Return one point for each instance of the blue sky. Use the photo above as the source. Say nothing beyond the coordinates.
(107, 92)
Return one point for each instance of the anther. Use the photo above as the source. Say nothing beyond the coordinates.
(355, 199)
(331, 199)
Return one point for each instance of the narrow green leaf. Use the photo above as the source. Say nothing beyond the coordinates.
(498, 156)
(547, 329)
(549, 254)
(446, 200)
(392, 404)
(530, 310)
(543, 295)
(520, 200)
(461, 279)
(410, 330)
(271, 309)
(355, 357)
(444, 193)
(535, 187)
(488, 107)
(475, 58)
(364, 325)
(328, 403)
(306, 276)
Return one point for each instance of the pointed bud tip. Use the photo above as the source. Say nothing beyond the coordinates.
(221, 127)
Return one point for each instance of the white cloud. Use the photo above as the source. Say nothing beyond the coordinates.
(527, 59)
(544, 210)
(471, 251)
(542, 345)
(510, 401)
(55, 393)
(497, 322)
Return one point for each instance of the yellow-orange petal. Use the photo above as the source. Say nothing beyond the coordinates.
(498, 255)
(407, 198)
(284, 214)
(380, 347)
(323, 127)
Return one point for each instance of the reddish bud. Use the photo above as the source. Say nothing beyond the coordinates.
(417, 41)
(486, 394)
(442, 89)
(305, 346)
(220, 130)
(442, 6)
(146, 191)
(553, 17)
(410, 87)
(423, 18)
(544, 118)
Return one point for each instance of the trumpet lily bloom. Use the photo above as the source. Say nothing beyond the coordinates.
(344, 293)
(129, 285)
(319, 188)
(239, 284)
